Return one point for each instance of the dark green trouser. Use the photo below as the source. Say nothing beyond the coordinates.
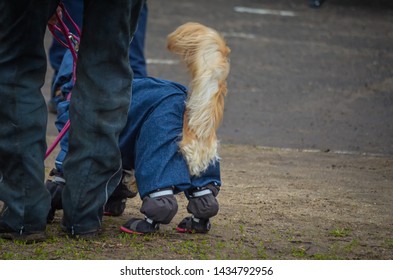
(98, 111)
(23, 114)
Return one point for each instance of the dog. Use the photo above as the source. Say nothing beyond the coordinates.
(206, 55)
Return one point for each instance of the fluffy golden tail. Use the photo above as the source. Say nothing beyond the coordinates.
(206, 55)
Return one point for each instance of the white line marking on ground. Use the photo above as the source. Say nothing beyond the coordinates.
(264, 11)
(340, 152)
(161, 61)
(238, 35)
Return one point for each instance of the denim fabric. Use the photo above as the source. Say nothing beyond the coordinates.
(23, 113)
(62, 118)
(137, 47)
(98, 111)
(136, 55)
(149, 141)
(64, 83)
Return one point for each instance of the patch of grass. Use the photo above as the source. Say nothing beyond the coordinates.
(299, 252)
(40, 253)
(195, 249)
(219, 250)
(320, 256)
(228, 242)
(342, 250)
(261, 251)
(340, 232)
(389, 242)
(9, 256)
(352, 246)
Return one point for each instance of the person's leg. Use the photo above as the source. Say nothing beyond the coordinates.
(127, 188)
(56, 184)
(23, 116)
(98, 112)
(57, 51)
(137, 47)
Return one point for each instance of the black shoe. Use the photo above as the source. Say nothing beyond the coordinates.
(117, 201)
(55, 187)
(115, 206)
(85, 235)
(55, 99)
(27, 236)
(52, 107)
(194, 225)
(91, 235)
(139, 226)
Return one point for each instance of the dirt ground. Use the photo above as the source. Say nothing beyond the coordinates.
(323, 80)
(309, 203)
(275, 204)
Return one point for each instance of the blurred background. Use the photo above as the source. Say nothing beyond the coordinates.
(301, 77)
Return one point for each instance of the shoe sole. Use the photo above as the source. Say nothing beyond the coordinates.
(130, 231)
(110, 214)
(28, 238)
(184, 230)
(85, 236)
(190, 231)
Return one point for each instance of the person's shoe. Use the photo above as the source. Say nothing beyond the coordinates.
(55, 187)
(27, 236)
(117, 201)
(52, 106)
(86, 235)
(91, 235)
(115, 206)
(140, 226)
(55, 99)
(194, 225)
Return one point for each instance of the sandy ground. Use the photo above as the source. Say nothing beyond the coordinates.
(316, 203)
(290, 204)
(323, 81)
(274, 204)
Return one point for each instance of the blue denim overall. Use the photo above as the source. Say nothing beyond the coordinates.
(149, 141)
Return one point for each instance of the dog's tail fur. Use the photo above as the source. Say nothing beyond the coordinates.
(205, 53)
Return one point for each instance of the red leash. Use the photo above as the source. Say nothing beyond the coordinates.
(72, 43)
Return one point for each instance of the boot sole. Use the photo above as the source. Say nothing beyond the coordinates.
(28, 238)
(130, 231)
(184, 230)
